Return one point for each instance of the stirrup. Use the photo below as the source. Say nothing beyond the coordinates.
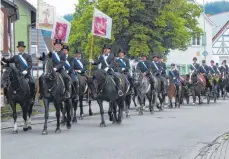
(67, 95)
(120, 93)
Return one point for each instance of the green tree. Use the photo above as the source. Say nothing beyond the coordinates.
(146, 26)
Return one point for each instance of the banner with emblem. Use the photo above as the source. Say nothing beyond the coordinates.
(45, 16)
(101, 25)
(61, 29)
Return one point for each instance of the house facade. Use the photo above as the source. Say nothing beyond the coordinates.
(197, 45)
(27, 16)
(220, 39)
(9, 15)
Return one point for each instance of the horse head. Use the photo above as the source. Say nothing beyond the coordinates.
(96, 81)
(194, 77)
(5, 77)
(49, 73)
(137, 77)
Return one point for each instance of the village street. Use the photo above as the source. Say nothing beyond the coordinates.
(171, 134)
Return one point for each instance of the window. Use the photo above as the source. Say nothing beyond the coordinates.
(196, 40)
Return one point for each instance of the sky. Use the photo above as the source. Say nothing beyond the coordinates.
(67, 6)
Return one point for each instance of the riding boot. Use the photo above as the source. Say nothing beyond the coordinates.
(67, 89)
(76, 90)
(151, 81)
(117, 81)
(40, 87)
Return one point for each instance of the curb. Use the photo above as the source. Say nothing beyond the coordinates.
(50, 121)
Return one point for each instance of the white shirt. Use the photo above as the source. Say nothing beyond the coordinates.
(105, 57)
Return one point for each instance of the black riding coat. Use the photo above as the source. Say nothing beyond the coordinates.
(76, 65)
(156, 70)
(118, 65)
(213, 69)
(163, 68)
(18, 64)
(59, 65)
(144, 66)
(109, 61)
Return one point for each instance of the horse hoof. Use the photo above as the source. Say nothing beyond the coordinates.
(119, 122)
(25, 129)
(29, 128)
(74, 120)
(110, 118)
(69, 126)
(127, 115)
(103, 125)
(15, 132)
(193, 104)
(90, 113)
(58, 130)
(44, 132)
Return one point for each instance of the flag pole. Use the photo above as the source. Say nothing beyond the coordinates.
(38, 51)
(90, 57)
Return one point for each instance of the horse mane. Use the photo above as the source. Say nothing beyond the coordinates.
(100, 75)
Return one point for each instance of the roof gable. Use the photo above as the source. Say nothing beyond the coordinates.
(221, 31)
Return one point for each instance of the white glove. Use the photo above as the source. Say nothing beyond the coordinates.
(78, 71)
(24, 72)
(67, 72)
(123, 69)
(91, 61)
(55, 69)
(106, 69)
(174, 78)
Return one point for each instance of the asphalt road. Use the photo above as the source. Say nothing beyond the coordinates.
(171, 134)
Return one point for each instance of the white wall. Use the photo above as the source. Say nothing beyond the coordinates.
(185, 57)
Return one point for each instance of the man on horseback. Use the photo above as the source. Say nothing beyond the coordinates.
(195, 66)
(213, 68)
(124, 63)
(59, 59)
(163, 66)
(23, 63)
(204, 69)
(144, 67)
(157, 71)
(68, 67)
(107, 60)
(224, 68)
(79, 67)
(175, 76)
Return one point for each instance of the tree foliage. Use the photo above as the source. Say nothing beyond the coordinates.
(145, 26)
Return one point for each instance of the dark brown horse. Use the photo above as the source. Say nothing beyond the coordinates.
(174, 93)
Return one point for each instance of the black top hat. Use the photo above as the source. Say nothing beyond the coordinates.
(77, 52)
(21, 44)
(203, 61)
(172, 64)
(65, 47)
(194, 58)
(123, 51)
(106, 46)
(155, 56)
(212, 61)
(224, 61)
(58, 41)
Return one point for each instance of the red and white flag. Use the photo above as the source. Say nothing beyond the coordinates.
(101, 25)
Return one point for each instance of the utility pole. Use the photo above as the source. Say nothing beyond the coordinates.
(205, 40)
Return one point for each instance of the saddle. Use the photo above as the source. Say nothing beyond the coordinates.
(202, 79)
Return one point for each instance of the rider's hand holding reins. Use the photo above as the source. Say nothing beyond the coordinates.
(91, 61)
(24, 72)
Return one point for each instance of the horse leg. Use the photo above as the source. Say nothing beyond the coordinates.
(13, 106)
(170, 103)
(90, 110)
(63, 110)
(113, 107)
(68, 107)
(75, 104)
(81, 107)
(110, 112)
(29, 114)
(134, 96)
(46, 104)
(57, 106)
(127, 103)
(25, 111)
(120, 110)
(150, 98)
(102, 124)
(141, 105)
(194, 97)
